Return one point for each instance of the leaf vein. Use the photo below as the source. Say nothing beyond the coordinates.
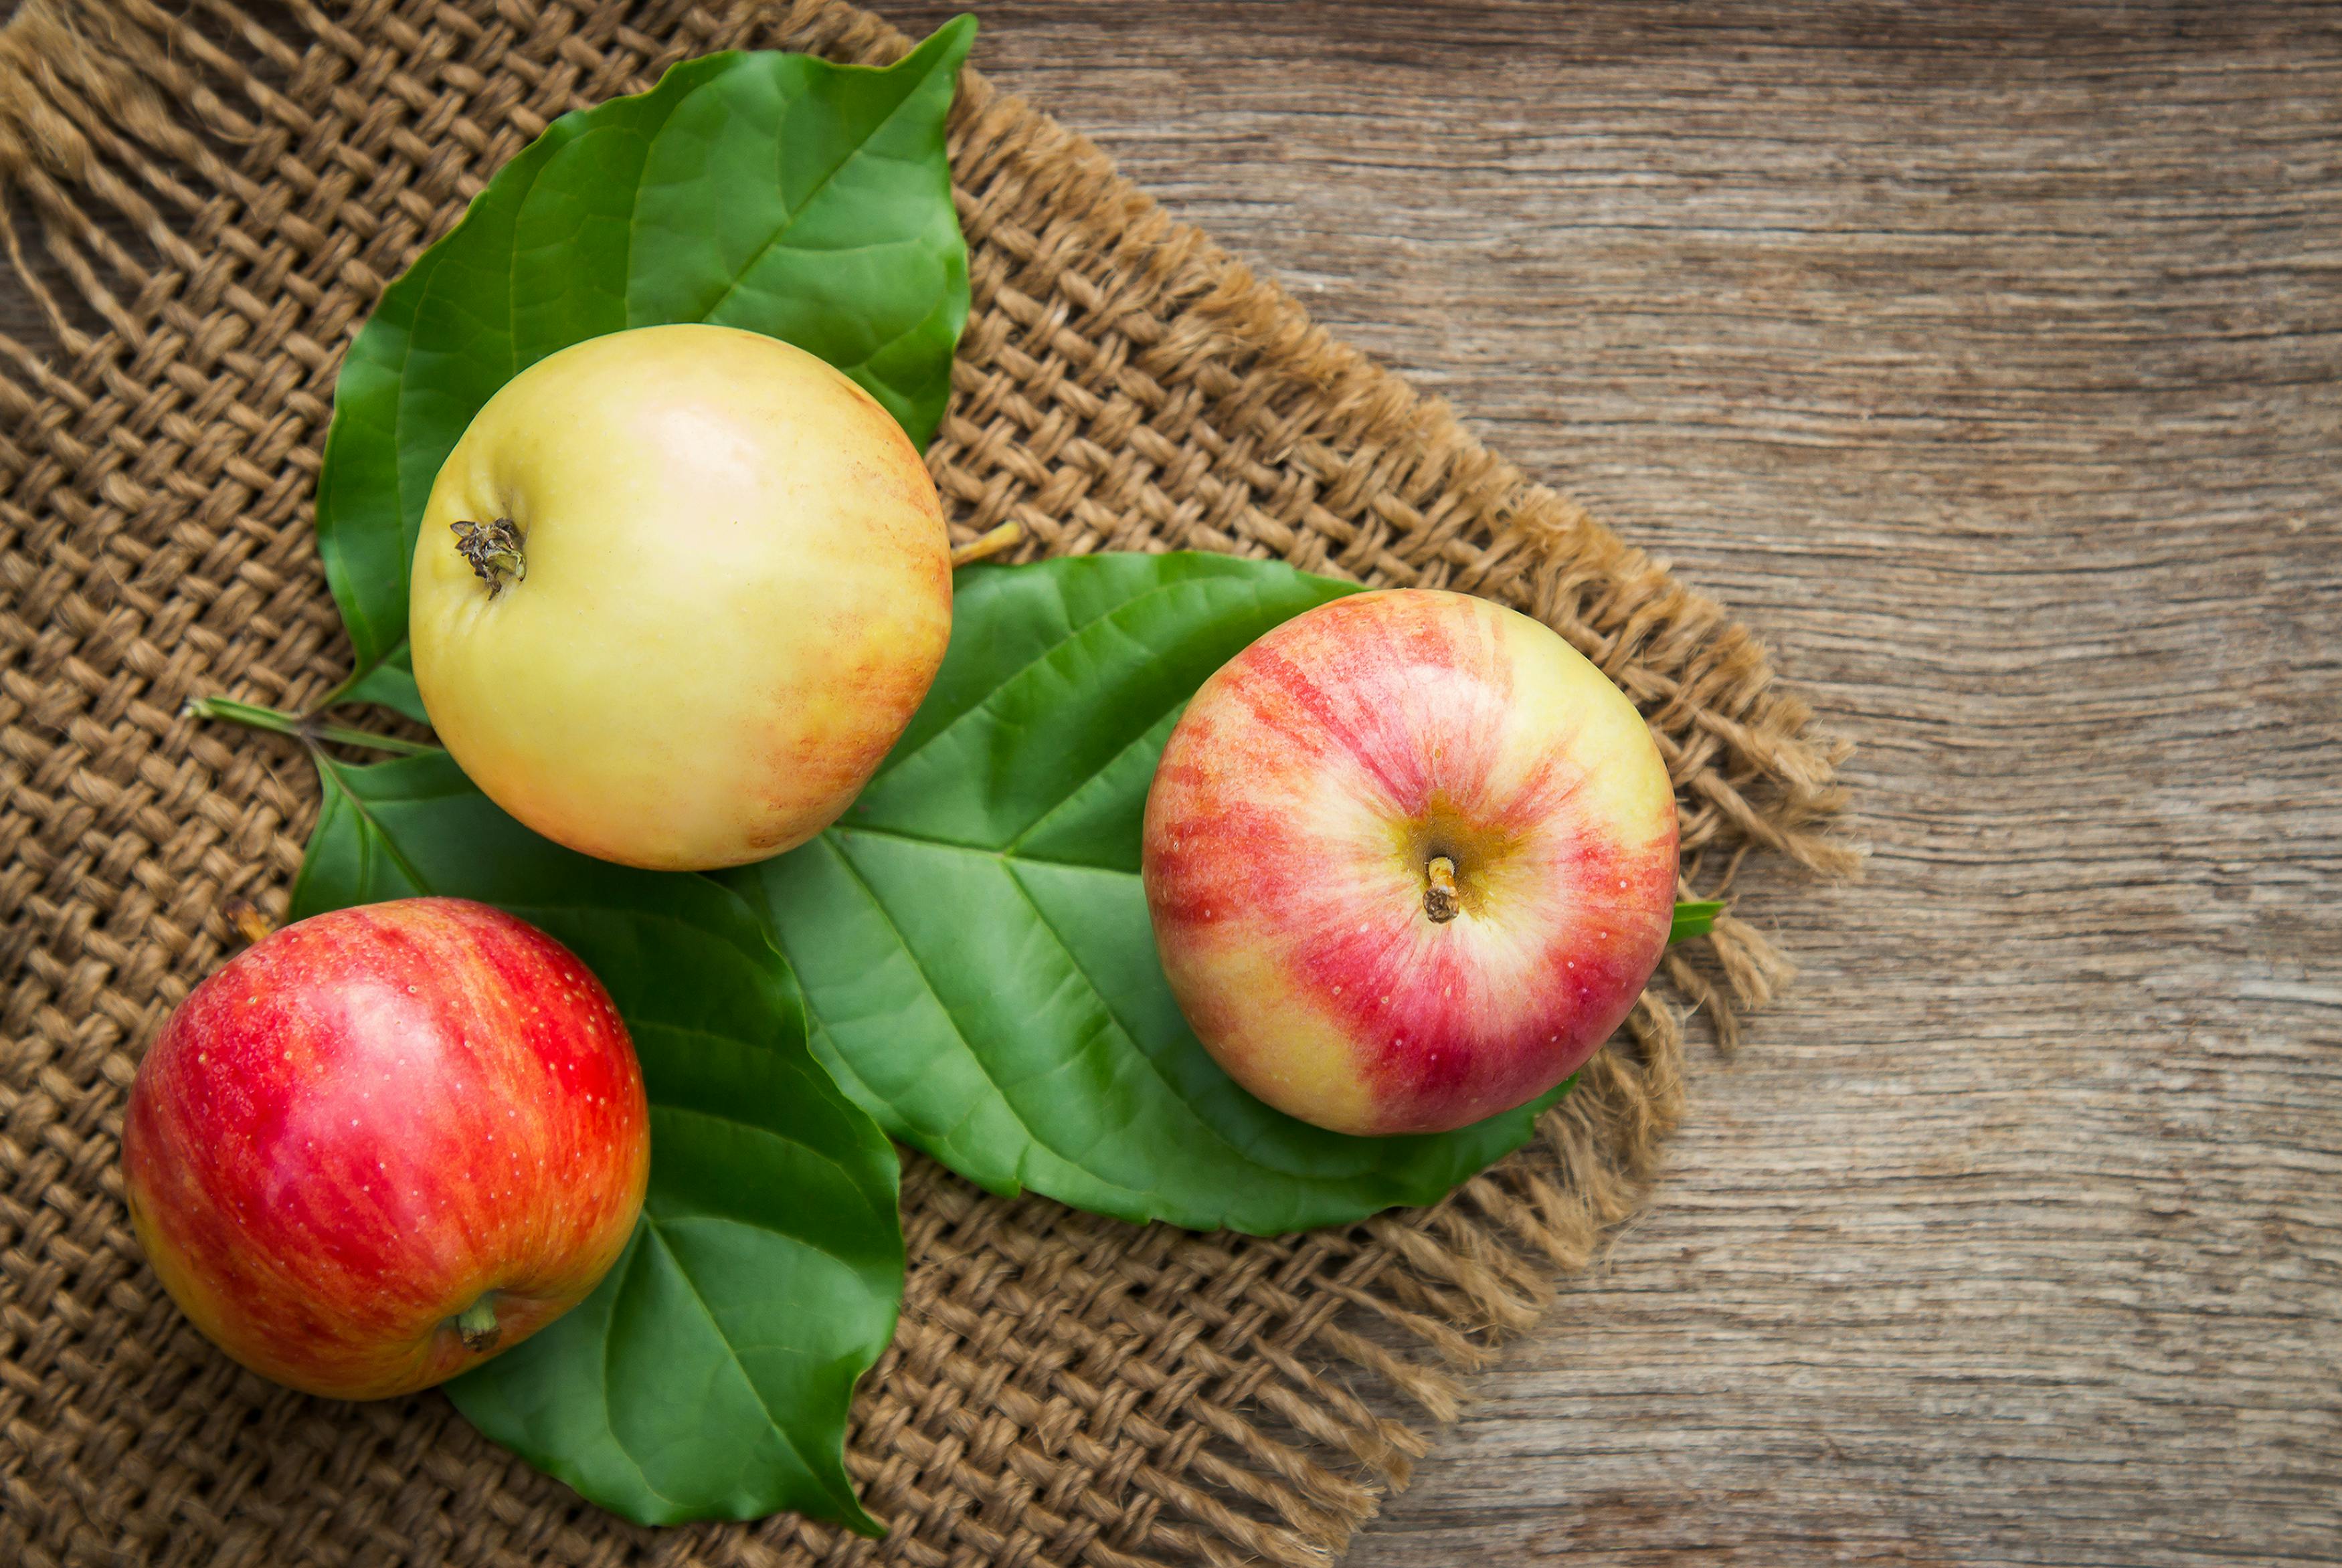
(610, 1352)
(804, 205)
(332, 771)
(927, 981)
(773, 1418)
(1075, 632)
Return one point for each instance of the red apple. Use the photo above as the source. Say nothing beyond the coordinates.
(386, 1143)
(1410, 859)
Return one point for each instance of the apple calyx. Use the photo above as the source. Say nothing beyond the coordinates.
(1440, 900)
(477, 1326)
(494, 551)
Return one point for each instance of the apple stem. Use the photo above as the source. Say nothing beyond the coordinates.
(244, 918)
(494, 551)
(1439, 898)
(986, 545)
(313, 730)
(477, 1326)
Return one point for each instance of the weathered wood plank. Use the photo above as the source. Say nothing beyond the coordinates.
(1989, 360)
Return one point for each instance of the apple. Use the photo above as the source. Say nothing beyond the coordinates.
(385, 1143)
(1410, 859)
(678, 590)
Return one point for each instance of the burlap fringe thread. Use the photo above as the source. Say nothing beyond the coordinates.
(213, 201)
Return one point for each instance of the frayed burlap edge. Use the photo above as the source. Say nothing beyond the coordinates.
(1064, 1388)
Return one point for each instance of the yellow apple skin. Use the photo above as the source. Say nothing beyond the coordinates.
(736, 588)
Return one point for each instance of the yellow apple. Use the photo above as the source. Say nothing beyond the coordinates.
(677, 591)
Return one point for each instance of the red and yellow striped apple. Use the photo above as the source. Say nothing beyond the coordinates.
(386, 1143)
(1410, 859)
(678, 590)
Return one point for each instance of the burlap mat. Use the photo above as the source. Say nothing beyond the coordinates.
(206, 205)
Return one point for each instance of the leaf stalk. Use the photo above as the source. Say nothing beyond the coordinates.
(313, 731)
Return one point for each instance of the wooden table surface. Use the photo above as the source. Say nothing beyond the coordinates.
(1988, 359)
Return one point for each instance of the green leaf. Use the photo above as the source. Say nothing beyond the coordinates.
(708, 1376)
(975, 947)
(777, 192)
(390, 685)
(1694, 918)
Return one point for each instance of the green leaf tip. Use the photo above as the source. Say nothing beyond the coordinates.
(951, 41)
(1694, 918)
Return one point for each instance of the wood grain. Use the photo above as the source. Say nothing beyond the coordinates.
(1989, 360)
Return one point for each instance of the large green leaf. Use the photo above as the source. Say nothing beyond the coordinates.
(709, 1375)
(777, 192)
(975, 947)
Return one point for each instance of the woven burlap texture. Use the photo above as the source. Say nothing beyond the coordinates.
(206, 203)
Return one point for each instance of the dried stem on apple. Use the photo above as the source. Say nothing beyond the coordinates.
(244, 918)
(986, 545)
(476, 1325)
(1440, 897)
(494, 551)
